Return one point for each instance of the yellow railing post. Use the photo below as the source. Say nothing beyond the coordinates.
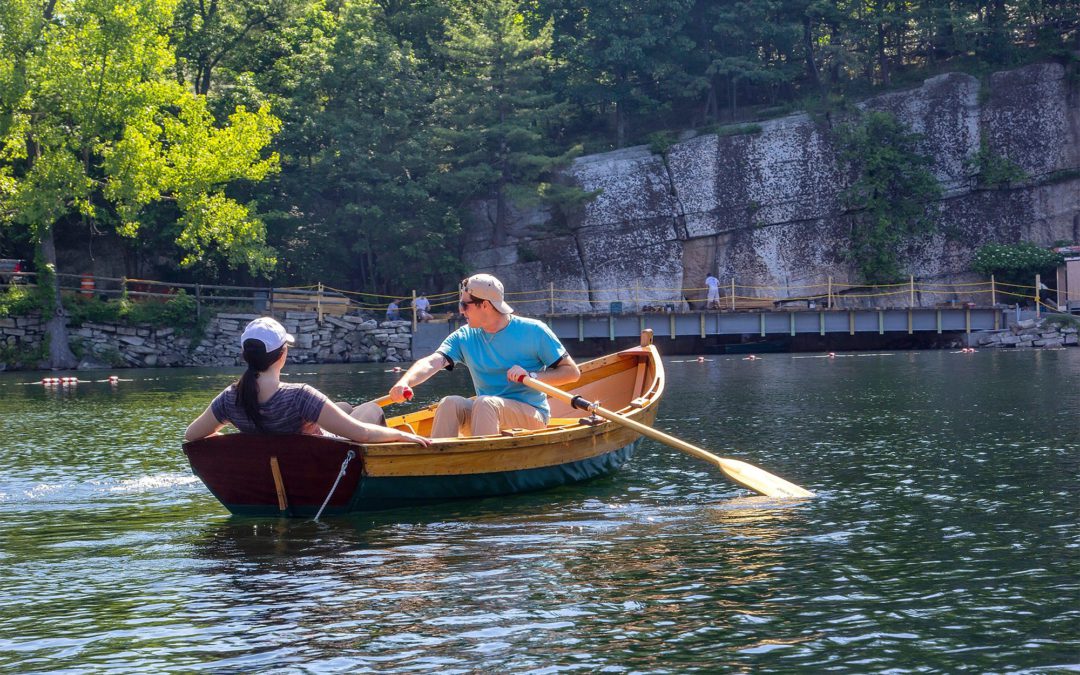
(414, 311)
(1038, 302)
(911, 303)
(993, 292)
(830, 292)
(733, 294)
(551, 296)
(318, 302)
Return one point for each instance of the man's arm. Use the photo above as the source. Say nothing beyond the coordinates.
(418, 373)
(566, 372)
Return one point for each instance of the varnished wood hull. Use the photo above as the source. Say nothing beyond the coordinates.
(292, 475)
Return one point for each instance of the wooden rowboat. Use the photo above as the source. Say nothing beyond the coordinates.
(293, 475)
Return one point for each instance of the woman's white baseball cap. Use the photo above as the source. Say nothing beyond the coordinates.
(267, 331)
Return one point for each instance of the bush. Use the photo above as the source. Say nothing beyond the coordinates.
(177, 312)
(1016, 263)
(19, 300)
(993, 170)
(1063, 320)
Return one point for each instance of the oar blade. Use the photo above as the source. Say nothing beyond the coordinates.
(761, 481)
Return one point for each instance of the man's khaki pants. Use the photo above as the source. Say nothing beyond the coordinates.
(482, 416)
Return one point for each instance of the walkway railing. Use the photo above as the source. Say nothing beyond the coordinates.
(732, 296)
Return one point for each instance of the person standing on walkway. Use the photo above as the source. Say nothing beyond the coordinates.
(499, 349)
(423, 306)
(713, 284)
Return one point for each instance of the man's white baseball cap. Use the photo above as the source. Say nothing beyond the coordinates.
(487, 287)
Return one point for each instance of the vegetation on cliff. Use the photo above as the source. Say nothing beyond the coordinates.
(1016, 263)
(890, 196)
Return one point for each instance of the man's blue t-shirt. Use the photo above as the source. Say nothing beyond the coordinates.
(524, 342)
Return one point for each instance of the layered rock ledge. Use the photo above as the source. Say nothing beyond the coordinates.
(352, 338)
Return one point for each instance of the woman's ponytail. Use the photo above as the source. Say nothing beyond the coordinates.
(247, 387)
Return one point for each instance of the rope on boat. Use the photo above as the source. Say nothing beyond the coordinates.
(341, 474)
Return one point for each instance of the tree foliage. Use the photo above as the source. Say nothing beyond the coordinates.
(495, 114)
(95, 128)
(890, 196)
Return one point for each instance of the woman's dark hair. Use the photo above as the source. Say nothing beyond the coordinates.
(247, 387)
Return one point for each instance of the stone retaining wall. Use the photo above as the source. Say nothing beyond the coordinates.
(347, 339)
(1032, 333)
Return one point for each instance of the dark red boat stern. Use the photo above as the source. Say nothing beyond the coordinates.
(256, 474)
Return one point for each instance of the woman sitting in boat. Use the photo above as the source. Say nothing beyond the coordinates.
(260, 403)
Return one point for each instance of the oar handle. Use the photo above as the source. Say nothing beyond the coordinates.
(384, 401)
(744, 474)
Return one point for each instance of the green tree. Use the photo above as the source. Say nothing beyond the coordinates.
(210, 35)
(93, 128)
(355, 203)
(496, 113)
(890, 197)
(624, 58)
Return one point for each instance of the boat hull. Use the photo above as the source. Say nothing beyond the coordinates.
(356, 493)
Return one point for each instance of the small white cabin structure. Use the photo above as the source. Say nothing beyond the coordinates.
(1068, 279)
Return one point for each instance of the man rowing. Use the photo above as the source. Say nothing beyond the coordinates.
(499, 348)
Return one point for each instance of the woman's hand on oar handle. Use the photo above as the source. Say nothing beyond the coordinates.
(396, 395)
(743, 473)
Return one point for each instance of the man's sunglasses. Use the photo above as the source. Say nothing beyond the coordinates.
(463, 304)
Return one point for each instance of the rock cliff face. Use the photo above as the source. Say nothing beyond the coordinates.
(764, 208)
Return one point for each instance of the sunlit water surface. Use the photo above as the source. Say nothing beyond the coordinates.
(944, 537)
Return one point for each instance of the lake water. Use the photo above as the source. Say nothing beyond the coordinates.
(945, 536)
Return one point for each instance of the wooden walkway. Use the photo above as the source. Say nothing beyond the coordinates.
(583, 327)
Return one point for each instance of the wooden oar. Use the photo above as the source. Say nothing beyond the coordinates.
(744, 474)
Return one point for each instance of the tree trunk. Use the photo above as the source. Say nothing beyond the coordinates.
(60, 356)
(498, 235)
(883, 58)
(712, 111)
(620, 125)
(734, 97)
(808, 48)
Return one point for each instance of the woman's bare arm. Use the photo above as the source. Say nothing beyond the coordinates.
(334, 420)
(204, 425)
